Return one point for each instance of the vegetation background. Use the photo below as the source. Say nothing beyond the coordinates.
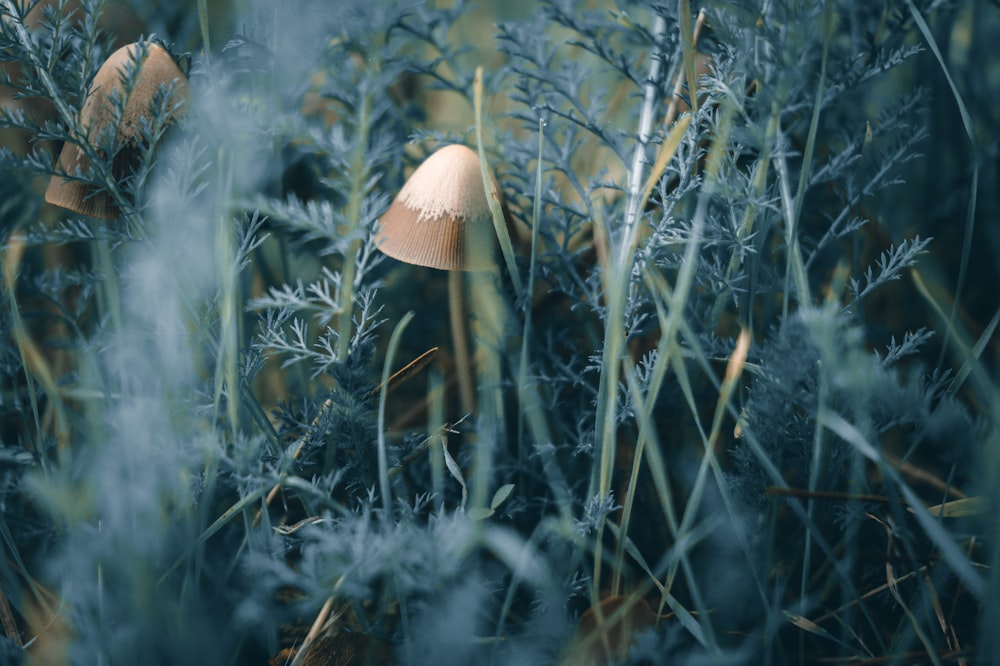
(736, 393)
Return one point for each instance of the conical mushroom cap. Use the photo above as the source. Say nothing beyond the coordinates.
(441, 218)
(96, 115)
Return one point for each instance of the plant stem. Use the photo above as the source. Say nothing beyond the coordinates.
(614, 335)
(493, 198)
(203, 24)
(359, 177)
(460, 340)
(490, 317)
(536, 221)
(436, 416)
(970, 131)
(383, 461)
(227, 360)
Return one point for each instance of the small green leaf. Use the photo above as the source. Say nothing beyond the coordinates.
(501, 495)
(456, 473)
(960, 508)
(480, 513)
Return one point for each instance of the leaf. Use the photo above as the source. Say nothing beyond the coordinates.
(806, 624)
(960, 508)
(501, 495)
(480, 513)
(667, 150)
(456, 473)
(977, 351)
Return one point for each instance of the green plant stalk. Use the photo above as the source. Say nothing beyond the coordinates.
(492, 198)
(712, 461)
(709, 460)
(750, 213)
(680, 548)
(489, 319)
(858, 470)
(460, 341)
(667, 337)
(536, 220)
(970, 131)
(660, 481)
(666, 152)
(793, 260)
(246, 395)
(667, 349)
(617, 293)
(383, 460)
(529, 400)
(536, 419)
(794, 268)
(686, 28)
(814, 471)
(226, 375)
(670, 326)
(259, 417)
(633, 552)
(532, 412)
(974, 353)
(985, 388)
(827, 25)
(607, 399)
(693, 500)
(227, 356)
(633, 205)
(680, 532)
(203, 25)
(359, 177)
(491, 314)
(435, 394)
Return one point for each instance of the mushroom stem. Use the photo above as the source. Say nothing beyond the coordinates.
(460, 341)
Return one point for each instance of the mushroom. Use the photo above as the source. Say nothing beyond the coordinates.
(441, 219)
(157, 70)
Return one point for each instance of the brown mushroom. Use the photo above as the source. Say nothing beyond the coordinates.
(157, 69)
(441, 219)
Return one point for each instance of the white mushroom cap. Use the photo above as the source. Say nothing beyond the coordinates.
(441, 218)
(157, 69)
